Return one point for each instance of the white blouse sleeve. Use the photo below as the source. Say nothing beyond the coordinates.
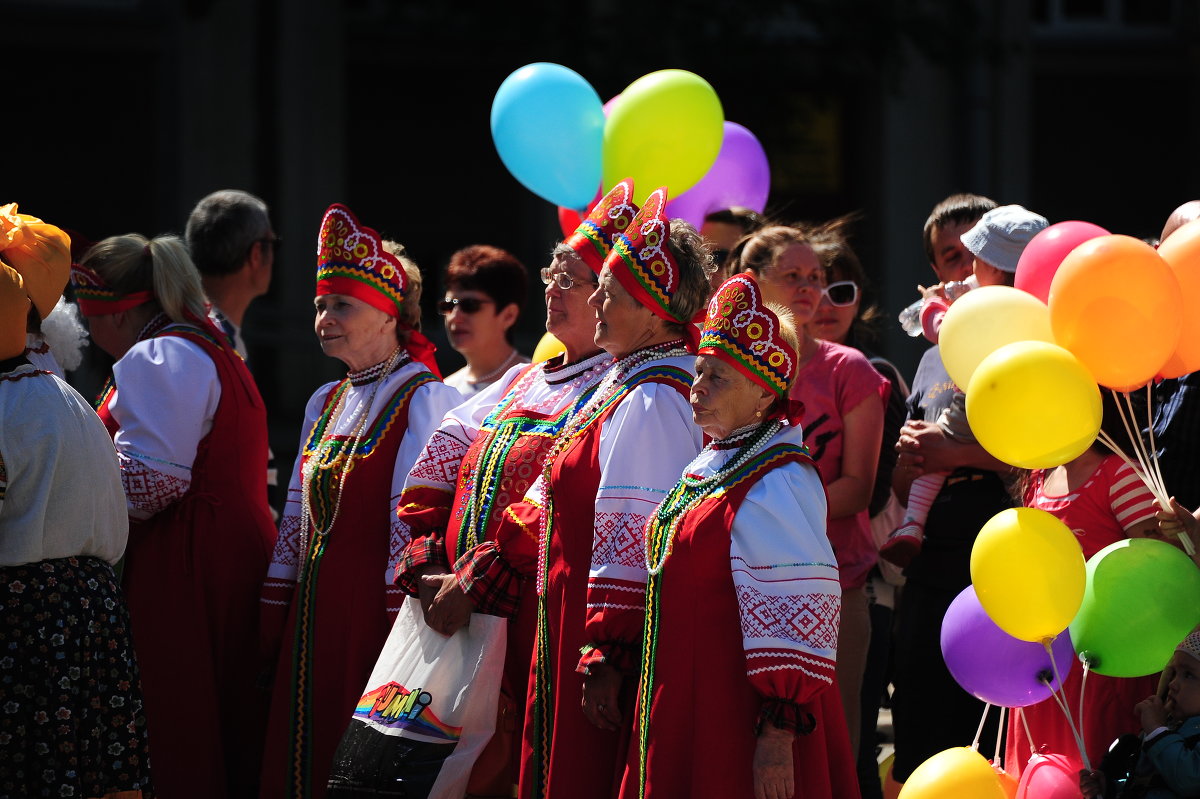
(167, 395)
(786, 580)
(644, 447)
(430, 411)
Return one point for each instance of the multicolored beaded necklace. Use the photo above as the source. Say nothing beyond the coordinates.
(661, 532)
(331, 460)
(609, 390)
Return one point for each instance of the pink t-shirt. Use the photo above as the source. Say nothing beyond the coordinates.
(831, 385)
(1111, 501)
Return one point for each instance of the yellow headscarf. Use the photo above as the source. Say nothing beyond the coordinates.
(41, 253)
(14, 308)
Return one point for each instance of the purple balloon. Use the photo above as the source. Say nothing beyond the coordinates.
(740, 176)
(992, 665)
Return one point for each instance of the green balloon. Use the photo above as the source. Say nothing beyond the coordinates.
(1142, 598)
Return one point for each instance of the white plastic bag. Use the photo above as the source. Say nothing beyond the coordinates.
(427, 711)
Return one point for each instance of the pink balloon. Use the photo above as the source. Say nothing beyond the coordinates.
(1045, 251)
(740, 176)
(1050, 777)
(608, 107)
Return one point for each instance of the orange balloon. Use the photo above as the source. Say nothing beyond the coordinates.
(1007, 781)
(1116, 305)
(1181, 251)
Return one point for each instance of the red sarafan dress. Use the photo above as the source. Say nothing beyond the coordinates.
(190, 429)
(743, 608)
(616, 461)
(328, 602)
(485, 456)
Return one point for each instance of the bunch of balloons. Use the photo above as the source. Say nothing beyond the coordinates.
(1089, 309)
(665, 129)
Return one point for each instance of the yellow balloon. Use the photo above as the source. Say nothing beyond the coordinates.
(1029, 573)
(958, 773)
(547, 348)
(982, 321)
(1033, 405)
(665, 129)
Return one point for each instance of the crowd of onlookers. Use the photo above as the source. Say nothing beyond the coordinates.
(708, 476)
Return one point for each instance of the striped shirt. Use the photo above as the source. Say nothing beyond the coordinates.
(1110, 502)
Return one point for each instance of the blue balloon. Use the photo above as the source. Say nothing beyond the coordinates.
(548, 126)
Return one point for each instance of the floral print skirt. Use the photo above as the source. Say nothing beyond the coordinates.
(71, 720)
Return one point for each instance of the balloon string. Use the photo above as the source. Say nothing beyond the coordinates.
(1151, 477)
(1139, 449)
(999, 738)
(982, 721)
(1082, 688)
(1028, 735)
(1065, 707)
(1165, 502)
(1134, 431)
(1153, 445)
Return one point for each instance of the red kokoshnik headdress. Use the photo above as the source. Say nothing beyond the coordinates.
(742, 331)
(593, 239)
(641, 260)
(351, 261)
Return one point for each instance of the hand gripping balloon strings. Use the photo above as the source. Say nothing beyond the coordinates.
(1063, 705)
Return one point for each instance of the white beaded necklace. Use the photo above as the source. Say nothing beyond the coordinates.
(609, 385)
(343, 460)
(689, 492)
(499, 370)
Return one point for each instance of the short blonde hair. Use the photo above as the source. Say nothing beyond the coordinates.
(410, 309)
(787, 330)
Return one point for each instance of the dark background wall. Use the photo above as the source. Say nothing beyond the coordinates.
(120, 114)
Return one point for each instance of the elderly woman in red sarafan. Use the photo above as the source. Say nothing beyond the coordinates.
(738, 694)
(329, 595)
(581, 522)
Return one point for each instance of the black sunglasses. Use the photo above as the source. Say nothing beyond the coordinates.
(275, 244)
(468, 305)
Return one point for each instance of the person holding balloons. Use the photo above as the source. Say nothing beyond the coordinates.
(1101, 500)
(996, 243)
(972, 494)
(843, 398)
(1168, 765)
